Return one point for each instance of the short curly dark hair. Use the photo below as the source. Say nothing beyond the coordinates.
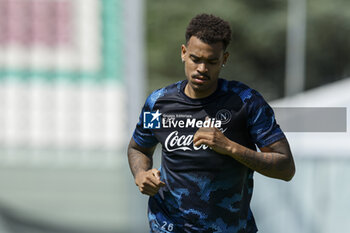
(209, 29)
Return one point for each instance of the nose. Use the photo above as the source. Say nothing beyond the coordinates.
(202, 68)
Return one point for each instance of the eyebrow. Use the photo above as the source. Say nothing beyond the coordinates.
(209, 59)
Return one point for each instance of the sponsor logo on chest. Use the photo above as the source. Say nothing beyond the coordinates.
(176, 140)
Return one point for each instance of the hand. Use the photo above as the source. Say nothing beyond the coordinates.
(149, 181)
(213, 138)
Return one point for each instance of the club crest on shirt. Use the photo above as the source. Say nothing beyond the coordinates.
(224, 116)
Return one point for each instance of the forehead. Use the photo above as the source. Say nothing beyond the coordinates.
(201, 49)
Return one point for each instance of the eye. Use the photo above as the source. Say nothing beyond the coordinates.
(195, 59)
(214, 62)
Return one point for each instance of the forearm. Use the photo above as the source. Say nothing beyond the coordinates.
(271, 164)
(138, 161)
(275, 160)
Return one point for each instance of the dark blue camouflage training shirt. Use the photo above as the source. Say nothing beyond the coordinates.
(205, 191)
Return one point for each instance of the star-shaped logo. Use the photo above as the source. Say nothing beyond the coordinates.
(156, 115)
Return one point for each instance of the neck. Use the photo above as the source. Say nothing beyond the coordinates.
(196, 94)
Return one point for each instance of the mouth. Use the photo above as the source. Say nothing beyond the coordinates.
(200, 79)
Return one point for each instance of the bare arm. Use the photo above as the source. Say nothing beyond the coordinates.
(274, 161)
(140, 162)
(140, 158)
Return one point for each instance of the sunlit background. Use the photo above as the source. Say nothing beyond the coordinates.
(75, 73)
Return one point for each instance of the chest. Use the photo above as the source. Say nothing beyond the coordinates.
(181, 120)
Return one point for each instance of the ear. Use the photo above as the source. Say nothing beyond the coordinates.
(226, 55)
(183, 52)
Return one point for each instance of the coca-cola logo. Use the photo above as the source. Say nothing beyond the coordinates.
(175, 142)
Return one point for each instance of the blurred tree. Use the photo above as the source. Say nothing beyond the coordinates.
(328, 42)
(257, 50)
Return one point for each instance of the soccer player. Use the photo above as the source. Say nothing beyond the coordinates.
(209, 129)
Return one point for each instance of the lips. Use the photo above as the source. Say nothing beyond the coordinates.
(200, 79)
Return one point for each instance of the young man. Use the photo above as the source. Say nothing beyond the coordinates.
(209, 129)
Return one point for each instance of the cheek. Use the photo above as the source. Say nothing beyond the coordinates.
(189, 68)
(215, 70)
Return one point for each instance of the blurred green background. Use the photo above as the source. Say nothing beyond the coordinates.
(258, 47)
(75, 74)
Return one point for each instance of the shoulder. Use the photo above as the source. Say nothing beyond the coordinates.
(162, 92)
(246, 93)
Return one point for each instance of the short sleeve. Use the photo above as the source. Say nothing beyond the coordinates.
(144, 137)
(261, 121)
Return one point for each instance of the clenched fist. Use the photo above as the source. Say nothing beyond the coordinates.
(149, 181)
(215, 139)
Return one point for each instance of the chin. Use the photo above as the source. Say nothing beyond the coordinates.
(201, 89)
(198, 86)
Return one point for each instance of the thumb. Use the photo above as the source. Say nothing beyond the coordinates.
(156, 173)
(207, 124)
